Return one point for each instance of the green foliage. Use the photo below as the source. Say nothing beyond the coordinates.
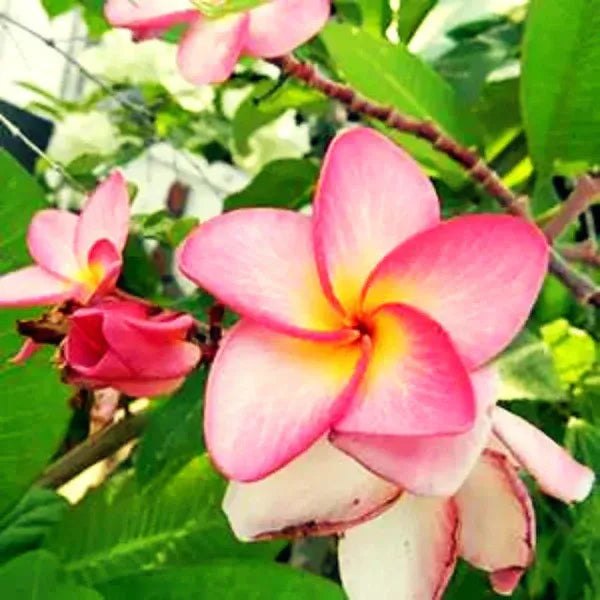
(123, 528)
(174, 434)
(560, 84)
(411, 15)
(227, 579)
(286, 183)
(164, 228)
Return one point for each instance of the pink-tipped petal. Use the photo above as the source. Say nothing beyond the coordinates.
(33, 286)
(211, 48)
(497, 522)
(556, 472)
(431, 466)
(260, 262)
(149, 18)
(142, 389)
(505, 581)
(464, 273)
(28, 349)
(104, 266)
(371, 197)
(279, 26)
(270, 397)
(408, 552)
(104, 217)
(416, 384)
(51, 242)
(319, 493)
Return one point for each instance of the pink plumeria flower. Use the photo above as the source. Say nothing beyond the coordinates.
(77, 257)
(362, 322)
(396, 544)
(211, 48)
(127, 346)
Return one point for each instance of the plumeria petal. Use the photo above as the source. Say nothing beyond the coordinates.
(104, 269)
(211, 47)
(51, 239)
(148, 18)
(407, 552)
(416, 385)
(371, 197)
(33, 286)
(556, 472)
(155, 387)
(321, 492)
(497, 531)
(274, 396)
(505, 581)
(261, 263)
(104, 217)
(464, 273)
(279, 26)
(432, 466)
(28, 349)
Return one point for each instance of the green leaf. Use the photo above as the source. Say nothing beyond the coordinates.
(226, 580)
(121, 529)
(164, 228)
(573, 350)
(57, 7)
(26, 525)
(38, 576)
(174, 433)
(411, 15)
(93, 15)
(527, 371)
(215, 10)
(33, 418)
(560, 83)
(405, 81)
(286, 183)
(375, 15)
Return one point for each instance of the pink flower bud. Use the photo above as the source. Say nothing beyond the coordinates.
(128, 346)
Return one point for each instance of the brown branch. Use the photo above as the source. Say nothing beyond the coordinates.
(478, 170)
(587, 190)
(584, 252)
(93, 450)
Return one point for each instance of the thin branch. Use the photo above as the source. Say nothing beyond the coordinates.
(587, 190)
(141, 110)
(93, 450)
(16, 132)
(584, 252)
(478, 170)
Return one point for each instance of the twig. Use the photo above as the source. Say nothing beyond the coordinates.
(141, 110)
(93, 450)
(16, 132)
(582, 287)
(585, 252)
(587, 189)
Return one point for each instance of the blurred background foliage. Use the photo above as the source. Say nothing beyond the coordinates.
(517, 80)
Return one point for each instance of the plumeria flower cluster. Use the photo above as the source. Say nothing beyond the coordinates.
(111, 340)
(212, 45)
(355, 395)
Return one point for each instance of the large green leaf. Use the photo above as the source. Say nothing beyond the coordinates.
(174, 434)
(226, 580)
(403, 80)
(26, 525)
(38, 575)
(34, 414)
(560, 82)
(411, 15)
(285, 183)
(122, 528)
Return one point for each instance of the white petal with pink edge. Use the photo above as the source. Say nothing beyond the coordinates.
(323, 491)
(430, 466)
(408, 552)
(34, 286)
(464, 273)
(211, 47)
(497, 522)
(51, 242)
(279, 26)
(415, 385)
(260, 262)
(105, 216)
(270, 397)
(371, 197)
(556, 472)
